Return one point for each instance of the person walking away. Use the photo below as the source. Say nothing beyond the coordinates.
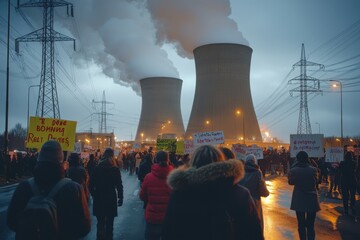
(145, 166)
(156, 193)
(91, 164)
(107, 191)
(77, 173)
(348, 182)
(305, 200)
(333, 169)
(208, 200)
(73, 216)
(255, 182)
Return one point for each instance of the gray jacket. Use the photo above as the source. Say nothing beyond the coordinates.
(305, 197)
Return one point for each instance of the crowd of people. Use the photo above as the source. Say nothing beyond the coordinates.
(216, 195)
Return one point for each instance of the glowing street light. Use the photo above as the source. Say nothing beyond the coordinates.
(336, 84)
(238, 113)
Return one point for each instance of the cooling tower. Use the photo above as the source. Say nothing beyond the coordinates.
(222, 100)
(160, 110)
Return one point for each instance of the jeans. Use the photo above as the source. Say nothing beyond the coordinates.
(306, 221)
(104, 228)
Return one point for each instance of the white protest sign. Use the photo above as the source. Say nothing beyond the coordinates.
(208, 138)
(78, 147)
(240, 151)
(257, 151)
(188, 146)
(312, 144)
(334, 154)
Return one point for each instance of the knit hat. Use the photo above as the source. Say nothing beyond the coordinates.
(250, 159)
(302, 156)
(51, 152)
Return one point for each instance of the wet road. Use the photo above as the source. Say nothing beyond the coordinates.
(279, 221)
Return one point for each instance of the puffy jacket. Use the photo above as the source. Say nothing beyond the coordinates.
(156, 193)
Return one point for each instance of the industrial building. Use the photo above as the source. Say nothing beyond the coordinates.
(160, 110)
(222, 100)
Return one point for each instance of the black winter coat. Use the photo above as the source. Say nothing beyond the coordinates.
(209, 205)
(106, 188)
(72, 208)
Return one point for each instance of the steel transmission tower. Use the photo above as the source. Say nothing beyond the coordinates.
(103, 114)
(48, 104)
(307, 85)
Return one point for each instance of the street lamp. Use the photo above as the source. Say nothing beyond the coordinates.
(238, 113)
(336, 84)
(28, 100)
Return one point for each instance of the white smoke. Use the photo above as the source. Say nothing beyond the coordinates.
(119, 36)
(192, 23)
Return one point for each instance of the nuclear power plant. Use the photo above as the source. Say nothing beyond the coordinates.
(222, 100)
(160, 110)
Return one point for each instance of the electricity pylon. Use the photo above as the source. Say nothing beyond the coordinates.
(47, 104)
(307, 85)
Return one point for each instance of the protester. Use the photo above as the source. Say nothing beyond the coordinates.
(206, 202)
(145, 165)
(91, 164)
(78, 173)
(305, 200)
(255, 182)
(156, 193)
(107, 191)
(73, 215)
(348, 182)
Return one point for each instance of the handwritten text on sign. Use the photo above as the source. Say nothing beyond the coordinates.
(310, 143)
(211, 138)
(44, 129)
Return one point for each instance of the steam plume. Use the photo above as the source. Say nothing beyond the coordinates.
(192, 23)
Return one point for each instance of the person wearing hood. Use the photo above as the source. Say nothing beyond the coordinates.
(255, 182)
(107, 191)
(208, 200)
(156, 193)
(305, 200)
(73, 215)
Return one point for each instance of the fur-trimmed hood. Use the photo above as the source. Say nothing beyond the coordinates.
(183, 178)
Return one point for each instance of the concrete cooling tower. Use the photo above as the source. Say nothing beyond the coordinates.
(222, 100)
(160, 111)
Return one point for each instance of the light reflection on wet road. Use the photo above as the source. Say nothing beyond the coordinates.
(280, 222)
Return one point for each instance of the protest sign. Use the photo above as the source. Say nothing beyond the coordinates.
(208, 138)
(180, 150)
(334, 154)
(312, 144)
(257, 151)
(239, 150)
(166, 145)
(43, 129)
(189, 146)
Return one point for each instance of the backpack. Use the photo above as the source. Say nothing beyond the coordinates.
(39, 218)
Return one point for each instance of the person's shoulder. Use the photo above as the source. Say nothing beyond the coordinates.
(240, 191)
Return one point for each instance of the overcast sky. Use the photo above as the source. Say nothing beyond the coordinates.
(120, 42)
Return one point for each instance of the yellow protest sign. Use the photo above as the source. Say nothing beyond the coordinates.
(180, 148)
(166, 145)
(43, 129)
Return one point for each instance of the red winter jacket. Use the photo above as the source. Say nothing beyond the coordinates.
(156, 193)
